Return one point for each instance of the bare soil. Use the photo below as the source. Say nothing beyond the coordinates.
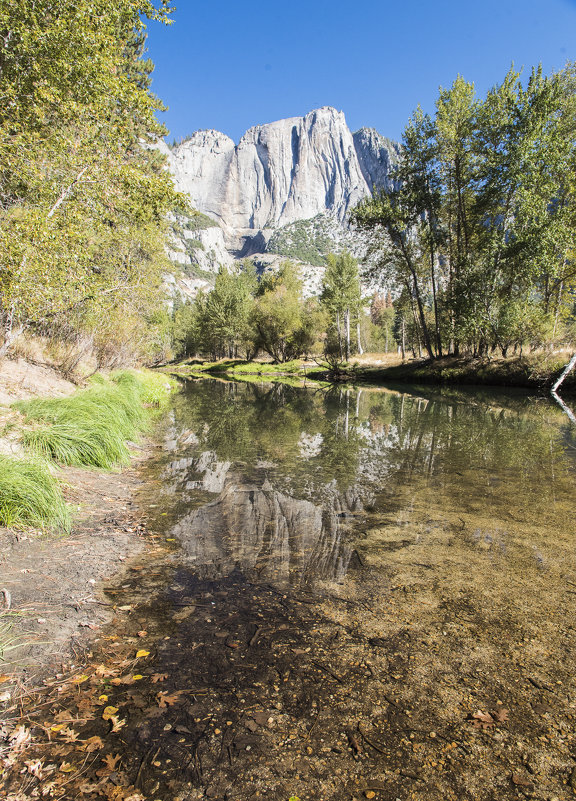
(52, 586)
(21, 379)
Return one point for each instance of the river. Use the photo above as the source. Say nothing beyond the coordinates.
(355, 593)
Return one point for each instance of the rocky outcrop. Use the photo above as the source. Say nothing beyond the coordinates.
(283, 191)
(284, 171)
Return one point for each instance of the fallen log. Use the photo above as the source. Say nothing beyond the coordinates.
(569, 367)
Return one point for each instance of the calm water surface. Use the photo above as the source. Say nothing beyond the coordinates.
(373, 591)
(297, 487)
(355, 594)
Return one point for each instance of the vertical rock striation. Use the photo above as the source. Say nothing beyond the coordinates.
(289, 170)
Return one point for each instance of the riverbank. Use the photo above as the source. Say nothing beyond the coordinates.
(533, 371)
(52, 565)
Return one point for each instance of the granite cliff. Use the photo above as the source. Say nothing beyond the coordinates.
(279, 175)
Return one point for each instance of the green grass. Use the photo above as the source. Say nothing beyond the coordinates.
(238, 367)
(91, 427)
(31, 496)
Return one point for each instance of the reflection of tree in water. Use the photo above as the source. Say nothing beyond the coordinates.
(306, 449)
(265, 423)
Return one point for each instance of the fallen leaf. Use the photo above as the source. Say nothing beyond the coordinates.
(117, 724)
(63, 717)
(70, 735)
(111, 761)
(502, 715)
(93, 744)
(142, 653)
(66, 767)
(34, 767)
(88, 788)
(156, 677)
(142, 633)
(482, 720)
(102, 698)
(520, 781)
(79, 679)
(19, 737)
(137, 677)
(4, 678)
(109, 711)
(105, 670)
(164, 699)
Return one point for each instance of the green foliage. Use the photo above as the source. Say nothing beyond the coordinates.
(342, 298)
(90, 428)
(285, 326)
(31, 496)
(196, 221)
(305, 240)
(479, 235)
(223, 315)
(82, 201)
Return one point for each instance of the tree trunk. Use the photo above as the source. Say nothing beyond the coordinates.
(425, 334)
(360, 348)
(569, 367)
(347, 320)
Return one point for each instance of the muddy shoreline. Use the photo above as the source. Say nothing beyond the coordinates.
(53, 585)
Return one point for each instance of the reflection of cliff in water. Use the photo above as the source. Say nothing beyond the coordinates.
(269, 536)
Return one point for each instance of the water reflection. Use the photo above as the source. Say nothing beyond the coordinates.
(286, 484)
(269, 536)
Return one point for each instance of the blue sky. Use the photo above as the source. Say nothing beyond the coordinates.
(230, 65)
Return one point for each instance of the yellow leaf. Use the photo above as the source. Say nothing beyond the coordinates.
(109, 711)
(141, 653)
(137, 677)
(79, 679)
(4, 678)
(58, 727)
(102, 698)
(66, 767)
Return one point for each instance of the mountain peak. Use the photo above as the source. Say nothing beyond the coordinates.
(282, 171)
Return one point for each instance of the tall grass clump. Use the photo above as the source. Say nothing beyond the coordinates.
(153, 388)
(31, 496)
(91, 427)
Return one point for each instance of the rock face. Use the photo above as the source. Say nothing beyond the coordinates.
(289, 170)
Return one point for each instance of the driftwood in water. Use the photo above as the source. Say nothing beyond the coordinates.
(569, 367)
